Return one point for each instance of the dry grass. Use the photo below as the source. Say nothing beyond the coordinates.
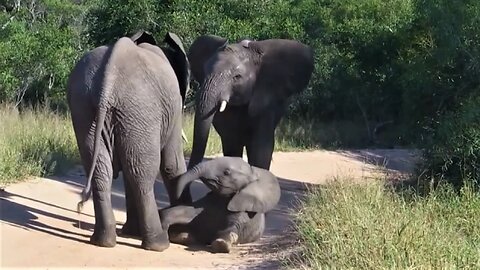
(351, 226)
(38, 142)
(34, 143)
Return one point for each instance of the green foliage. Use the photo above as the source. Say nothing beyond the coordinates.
(234, 20)
(452, 153)
(356, 44)
(406, 62)
(109, 20)
(34, 143)
(440, 61)
(351, 226)
(39, 43)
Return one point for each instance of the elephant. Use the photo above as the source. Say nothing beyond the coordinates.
(126, 104)
(233, 212)
(256, 79)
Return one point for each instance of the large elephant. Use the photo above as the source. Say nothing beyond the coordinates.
(255, 79)
(233, 212)
(126, 104)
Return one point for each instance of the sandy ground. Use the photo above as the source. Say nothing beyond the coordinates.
(39, 223)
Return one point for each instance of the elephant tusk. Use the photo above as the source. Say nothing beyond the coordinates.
(184, 137)
(223, 105)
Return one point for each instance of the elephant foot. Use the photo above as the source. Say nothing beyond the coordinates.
(221, 246)
(104, 238)
(179, 234)
(129, 229)
(224, 245)
(181, 238)
(157, 243)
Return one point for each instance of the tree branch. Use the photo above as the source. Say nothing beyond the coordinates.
(364, 115)
(8, 22)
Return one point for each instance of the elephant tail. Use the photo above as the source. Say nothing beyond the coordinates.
(105, 93)
(87, 190)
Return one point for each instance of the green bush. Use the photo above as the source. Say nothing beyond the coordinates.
(39, 44)
(356, 44)
(452, 152)
(109, 20)
(402, 61)
(439, 62)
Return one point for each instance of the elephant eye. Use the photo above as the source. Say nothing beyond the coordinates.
(226, 172)
(237, 77)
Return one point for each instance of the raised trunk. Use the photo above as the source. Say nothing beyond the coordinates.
(207, 104)
(200, 138)
(187, 178)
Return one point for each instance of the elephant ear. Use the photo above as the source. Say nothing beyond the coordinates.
(259, 196)
(143, 37)
(201, 50)
(178, 60)
(284, 69)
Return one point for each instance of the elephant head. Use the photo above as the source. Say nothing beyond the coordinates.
(253, 189)
(257, 74)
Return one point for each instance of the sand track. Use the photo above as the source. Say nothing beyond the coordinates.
(39, 220)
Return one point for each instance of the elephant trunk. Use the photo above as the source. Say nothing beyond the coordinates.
(191, 175)
(209, 100)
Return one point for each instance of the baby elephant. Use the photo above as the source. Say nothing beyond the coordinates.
(233, 212)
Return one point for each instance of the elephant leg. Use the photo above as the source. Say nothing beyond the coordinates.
(231, 125)
(228, 237)
(261, 144)
(153, 235)
(179, 216)
(104, 233)
(232, 146)
(140, 164)
(173, 166)
(131, 226)
(224, 244)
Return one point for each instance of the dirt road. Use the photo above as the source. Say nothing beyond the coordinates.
(39, 225)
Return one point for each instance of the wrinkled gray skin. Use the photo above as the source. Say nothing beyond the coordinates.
(256, 79)
(126, 106)
(232, 213)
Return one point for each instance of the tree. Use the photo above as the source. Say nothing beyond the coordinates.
(39, 44)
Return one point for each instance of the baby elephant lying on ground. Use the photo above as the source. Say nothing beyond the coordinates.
(233, 212)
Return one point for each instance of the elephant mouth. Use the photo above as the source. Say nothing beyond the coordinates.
(216, 185)
(211, 183)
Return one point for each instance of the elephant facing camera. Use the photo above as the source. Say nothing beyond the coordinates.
(245, 90)
(232, 213)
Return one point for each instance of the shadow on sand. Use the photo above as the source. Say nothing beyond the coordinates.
(399, 160)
